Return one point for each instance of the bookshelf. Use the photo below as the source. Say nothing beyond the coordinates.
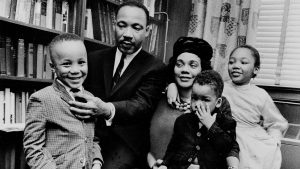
(26, 28)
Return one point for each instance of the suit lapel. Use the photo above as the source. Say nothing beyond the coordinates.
(134, 66)
(108, 66)
(62, 91)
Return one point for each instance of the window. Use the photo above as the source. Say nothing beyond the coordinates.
(278, 41)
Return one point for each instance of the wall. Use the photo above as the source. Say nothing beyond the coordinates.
(179, 14)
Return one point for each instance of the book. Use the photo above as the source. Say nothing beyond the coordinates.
(13, 59)
(13, 7)
(113, 18)
(2, 55)
(21, 59)
(18, 105)
(6, 105)
(31, 15)
(37, 13)
(58, 15)
(12, 110)
(47, 74)
(149, 4)
(23, 10)
(2, 107)
(65, 15)
(5, 8)
(72, 16)
(43, 12)
(39, 61)
(88, 31)
(109, 23)
(29, 61)
(49, 14)
(97, 21)
(8, 55)
(25, 98)
(12, 157)
(105, 21)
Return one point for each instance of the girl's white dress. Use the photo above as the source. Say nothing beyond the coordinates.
(259, 126)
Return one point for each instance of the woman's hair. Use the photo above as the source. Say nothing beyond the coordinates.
(254, 53)
(193, 45)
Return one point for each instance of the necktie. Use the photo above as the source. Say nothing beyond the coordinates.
(79, 99)
(119, 70)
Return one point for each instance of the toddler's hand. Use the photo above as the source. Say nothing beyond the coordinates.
(204, 115)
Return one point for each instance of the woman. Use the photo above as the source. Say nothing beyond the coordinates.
(190, 57)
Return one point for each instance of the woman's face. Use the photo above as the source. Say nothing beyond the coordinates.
(186, 68)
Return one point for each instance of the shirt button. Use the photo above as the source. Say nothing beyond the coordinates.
(198, 147)
(190, 160)
(198, 134)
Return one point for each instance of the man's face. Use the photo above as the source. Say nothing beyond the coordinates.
(130, 29)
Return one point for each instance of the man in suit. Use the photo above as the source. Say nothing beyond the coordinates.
(126, 96)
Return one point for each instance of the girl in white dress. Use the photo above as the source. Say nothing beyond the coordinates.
(259, 123)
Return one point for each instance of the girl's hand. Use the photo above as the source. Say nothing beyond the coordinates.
(204, 115)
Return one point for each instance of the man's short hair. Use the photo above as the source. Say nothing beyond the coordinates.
(138, 5)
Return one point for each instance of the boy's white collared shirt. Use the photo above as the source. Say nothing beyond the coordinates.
(127, 60)
(68, 89)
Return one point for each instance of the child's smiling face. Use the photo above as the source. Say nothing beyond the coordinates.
(70, 62)
(241, 66)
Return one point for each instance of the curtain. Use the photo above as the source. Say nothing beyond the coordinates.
(224, 24)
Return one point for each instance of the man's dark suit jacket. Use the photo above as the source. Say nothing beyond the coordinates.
(135, 96)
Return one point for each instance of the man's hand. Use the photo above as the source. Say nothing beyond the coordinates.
(204, 115)
(93, 107)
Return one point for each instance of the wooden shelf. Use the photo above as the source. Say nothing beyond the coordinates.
(93, 44)
(23, 24)
(113, 2)
(21, 83)
(24, 79)
(12, 127)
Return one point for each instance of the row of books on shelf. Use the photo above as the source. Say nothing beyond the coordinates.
(52, 14)
(24, 59)
(99, 19)
(12, 106)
